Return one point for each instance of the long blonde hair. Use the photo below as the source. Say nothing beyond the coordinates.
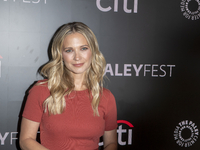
(60, 82)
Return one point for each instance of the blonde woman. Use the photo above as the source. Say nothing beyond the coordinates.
(71, 107)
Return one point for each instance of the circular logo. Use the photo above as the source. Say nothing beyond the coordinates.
(186, 133)
(190, 9)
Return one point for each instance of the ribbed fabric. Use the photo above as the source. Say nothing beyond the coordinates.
(76, 128)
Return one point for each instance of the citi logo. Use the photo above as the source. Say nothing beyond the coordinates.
(123, 133)
(0, 65)
(128, 132)
(115, 5)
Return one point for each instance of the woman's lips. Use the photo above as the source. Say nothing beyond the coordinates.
(78, 65)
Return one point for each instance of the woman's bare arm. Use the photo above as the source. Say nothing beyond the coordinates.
(28, 135)
(110, 140)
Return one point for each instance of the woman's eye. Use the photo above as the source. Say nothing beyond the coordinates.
(84, 48)
(68, 51)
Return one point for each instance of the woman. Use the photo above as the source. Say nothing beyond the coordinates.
(71, 107)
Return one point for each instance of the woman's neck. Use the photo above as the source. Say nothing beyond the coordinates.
(79, 83)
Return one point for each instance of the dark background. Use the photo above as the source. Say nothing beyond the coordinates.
(157, 35)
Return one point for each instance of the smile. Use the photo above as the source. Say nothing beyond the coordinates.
(78, 65)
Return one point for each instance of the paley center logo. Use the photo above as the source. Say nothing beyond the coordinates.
(115, 5)
(186, 133)
(190, 9)
(0, 64)
(125, 133)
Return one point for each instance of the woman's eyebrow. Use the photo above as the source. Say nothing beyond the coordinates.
(84, 45)
(72, 47)
(67, 47)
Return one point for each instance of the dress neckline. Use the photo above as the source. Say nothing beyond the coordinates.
(81, 92)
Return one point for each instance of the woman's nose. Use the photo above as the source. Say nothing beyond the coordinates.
(77, 56)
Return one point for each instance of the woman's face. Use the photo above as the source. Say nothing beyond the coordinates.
(77, 55)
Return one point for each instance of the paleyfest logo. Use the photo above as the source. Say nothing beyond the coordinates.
(153, 70)
(0, 64)
(190, 9)
(186, 133)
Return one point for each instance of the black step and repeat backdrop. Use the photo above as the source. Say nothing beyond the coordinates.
(152, 49)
